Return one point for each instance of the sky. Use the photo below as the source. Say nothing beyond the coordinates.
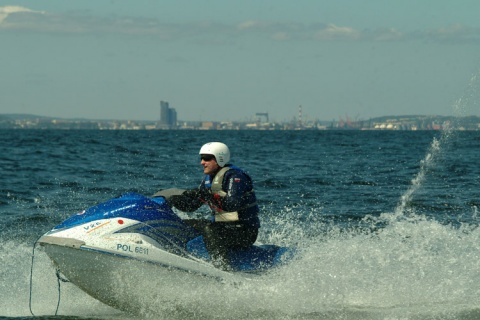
(222, 60)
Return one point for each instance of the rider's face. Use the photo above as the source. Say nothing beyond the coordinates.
(209, 164)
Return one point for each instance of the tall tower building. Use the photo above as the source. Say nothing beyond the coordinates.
(168, 116)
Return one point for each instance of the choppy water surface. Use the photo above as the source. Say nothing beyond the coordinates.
(385, 222)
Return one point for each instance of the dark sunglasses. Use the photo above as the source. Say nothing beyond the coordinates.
(207, 157)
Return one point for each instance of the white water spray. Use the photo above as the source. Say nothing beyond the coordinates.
(438, 145)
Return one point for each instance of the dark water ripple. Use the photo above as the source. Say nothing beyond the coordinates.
(339, 173)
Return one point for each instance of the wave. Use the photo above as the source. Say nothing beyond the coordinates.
(412, 268)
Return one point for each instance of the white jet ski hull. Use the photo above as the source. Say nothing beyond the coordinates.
(133, 249)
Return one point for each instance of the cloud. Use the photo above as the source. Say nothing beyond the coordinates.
(248, 25)
(454, 33)
(385, 34)
(332, 31)
(8, 10)
(24, 19)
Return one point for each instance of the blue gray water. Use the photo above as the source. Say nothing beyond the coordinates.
(386, 222)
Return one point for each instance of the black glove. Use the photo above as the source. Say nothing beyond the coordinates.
(188, 201)
(192, 194)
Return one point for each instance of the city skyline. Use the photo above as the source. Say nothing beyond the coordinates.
(260, 116)
(385, 123)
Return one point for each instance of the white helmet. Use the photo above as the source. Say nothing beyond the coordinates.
(217, 149)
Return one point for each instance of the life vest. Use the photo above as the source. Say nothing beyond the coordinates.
(218, 194)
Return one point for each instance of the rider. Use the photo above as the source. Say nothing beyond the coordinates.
(228, 190)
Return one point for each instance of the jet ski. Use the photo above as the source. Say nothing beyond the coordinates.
(132, 236)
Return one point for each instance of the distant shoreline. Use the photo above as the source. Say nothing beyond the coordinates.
(404, 122)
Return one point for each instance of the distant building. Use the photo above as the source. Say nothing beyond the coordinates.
(168, 116)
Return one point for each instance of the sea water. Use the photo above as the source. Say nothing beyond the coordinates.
(385, 222)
